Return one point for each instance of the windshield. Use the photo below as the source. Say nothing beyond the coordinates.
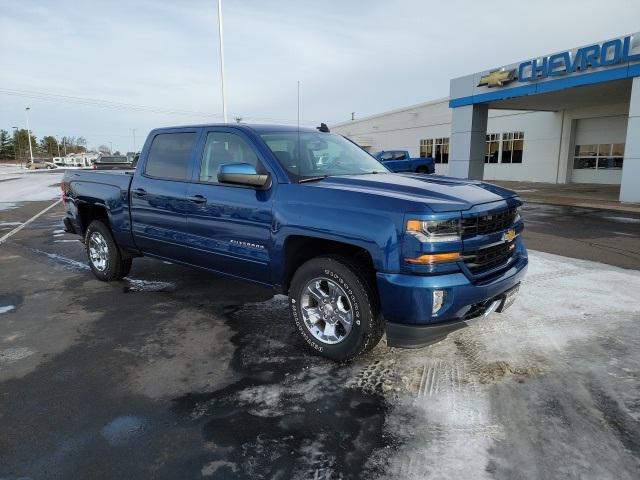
(311, 154)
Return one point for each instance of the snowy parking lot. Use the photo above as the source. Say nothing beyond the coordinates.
(173, 373)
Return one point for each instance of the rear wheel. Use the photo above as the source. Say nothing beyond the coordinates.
(104, 256)
(335, 308)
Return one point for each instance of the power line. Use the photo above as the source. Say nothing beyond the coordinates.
(122, 106)
(52, 97)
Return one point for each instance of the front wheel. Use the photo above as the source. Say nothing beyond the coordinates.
(422, 169)
(105, 259)
(334, 306)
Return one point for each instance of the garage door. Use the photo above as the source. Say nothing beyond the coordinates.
(599, 149)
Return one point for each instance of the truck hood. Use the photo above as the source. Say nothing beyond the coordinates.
(441, 194)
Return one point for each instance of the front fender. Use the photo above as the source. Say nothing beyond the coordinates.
(375, 233)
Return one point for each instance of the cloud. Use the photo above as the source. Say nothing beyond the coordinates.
(362, 56)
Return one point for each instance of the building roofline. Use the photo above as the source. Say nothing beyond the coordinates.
(390, 112)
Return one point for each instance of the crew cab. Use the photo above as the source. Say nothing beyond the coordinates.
(401, 161)
(358, 249)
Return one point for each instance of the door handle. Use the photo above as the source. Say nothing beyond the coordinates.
(197, 199)
(140, 192)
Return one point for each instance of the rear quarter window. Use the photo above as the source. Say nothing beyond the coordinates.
(169, 155)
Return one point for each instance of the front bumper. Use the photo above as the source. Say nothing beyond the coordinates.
(406, 302)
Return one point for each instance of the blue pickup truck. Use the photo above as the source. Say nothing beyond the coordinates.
(359, 250)
(401, 161)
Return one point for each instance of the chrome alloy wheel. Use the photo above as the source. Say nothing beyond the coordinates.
(326, 310)
(98, 251)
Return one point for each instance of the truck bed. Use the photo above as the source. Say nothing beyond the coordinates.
(100, 188)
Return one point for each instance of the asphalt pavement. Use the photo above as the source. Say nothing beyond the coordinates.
(174, 373)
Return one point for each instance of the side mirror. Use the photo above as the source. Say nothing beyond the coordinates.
(242, 174)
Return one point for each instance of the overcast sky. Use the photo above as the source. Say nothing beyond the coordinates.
(350, 56)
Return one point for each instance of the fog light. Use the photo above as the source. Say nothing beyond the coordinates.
(438, 300)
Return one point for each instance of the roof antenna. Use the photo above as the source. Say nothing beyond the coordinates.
(323, 128)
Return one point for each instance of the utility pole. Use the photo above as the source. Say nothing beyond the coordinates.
(58, 144)
(110, 148)
(26, 114)
(64, 144)
(220, 36)
(133, 132)
(17, 152)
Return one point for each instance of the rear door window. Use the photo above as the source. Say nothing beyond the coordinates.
(169, 155)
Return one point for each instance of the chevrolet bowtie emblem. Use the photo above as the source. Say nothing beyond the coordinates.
(497, 78)
(509, 235)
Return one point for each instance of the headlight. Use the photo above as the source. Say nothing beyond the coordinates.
(435, 230)
(517, 217)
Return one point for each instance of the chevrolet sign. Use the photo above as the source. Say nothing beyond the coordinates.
(607, 54)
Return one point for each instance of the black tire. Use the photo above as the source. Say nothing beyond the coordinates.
(422, 169)
(116, 267)
(367, 325)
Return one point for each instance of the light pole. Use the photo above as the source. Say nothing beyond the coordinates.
(220, 36)
(64, 145)
(16, 138)
(58, 144)
(110, 148)
(26, 114)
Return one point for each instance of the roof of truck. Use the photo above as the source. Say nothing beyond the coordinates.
(256, 127)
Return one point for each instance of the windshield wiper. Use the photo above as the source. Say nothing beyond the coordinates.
(312, 179)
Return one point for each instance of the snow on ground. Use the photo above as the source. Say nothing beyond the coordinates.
(547, 389)
(7, 169)
(28, 187)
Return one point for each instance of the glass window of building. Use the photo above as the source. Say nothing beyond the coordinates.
(493, 147)
(426, 148)
(441, 150)
(603, 156)
(512, 147)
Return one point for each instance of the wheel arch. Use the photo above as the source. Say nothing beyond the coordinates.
(88, 212)
(299, 249)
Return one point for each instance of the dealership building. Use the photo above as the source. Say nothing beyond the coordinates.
(567, 117)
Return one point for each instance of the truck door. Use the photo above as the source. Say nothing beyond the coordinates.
(396, 161)
(402, 161)
(229, 226)
(159, 194)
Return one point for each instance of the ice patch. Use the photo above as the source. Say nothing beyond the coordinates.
(212, 467)
(10, 224)
(15, 354)
(65, 241)
(58, 231)
(123, 429)
(623, 219)
(68, 262)
(6, 308)
(149, 286)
